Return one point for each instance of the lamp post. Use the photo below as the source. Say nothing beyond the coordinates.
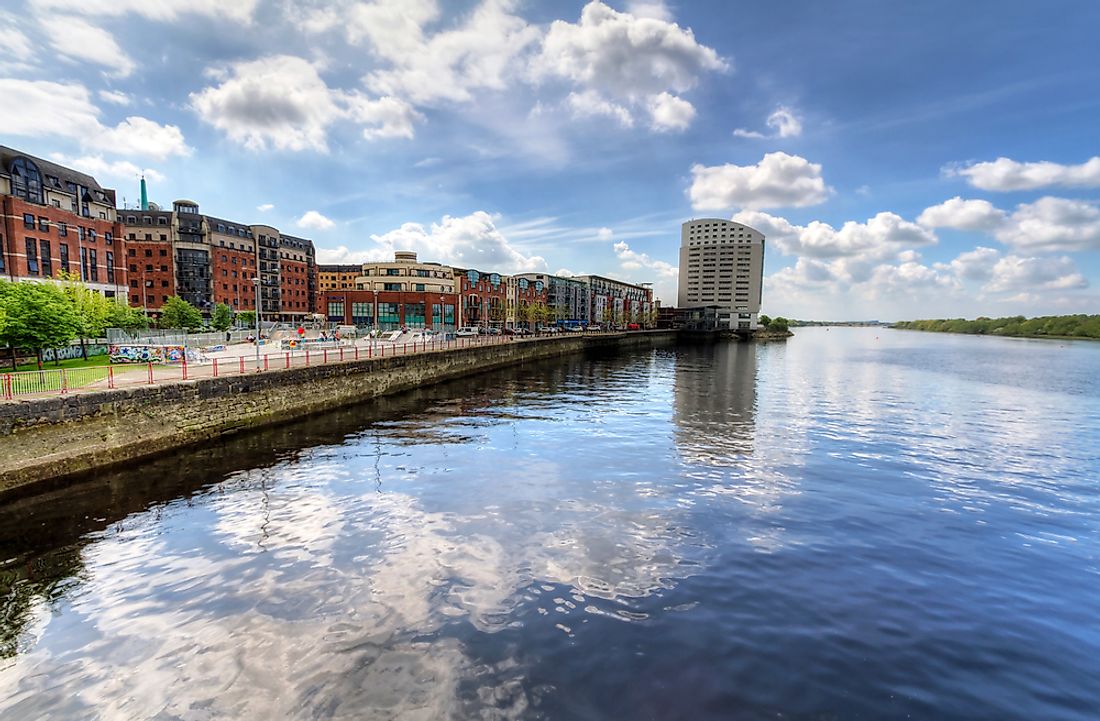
(256, 281)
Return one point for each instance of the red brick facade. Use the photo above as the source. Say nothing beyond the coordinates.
(232, 270)
(152, 277)
(483, 298)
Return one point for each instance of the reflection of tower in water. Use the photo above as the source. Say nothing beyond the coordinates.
(715, 402)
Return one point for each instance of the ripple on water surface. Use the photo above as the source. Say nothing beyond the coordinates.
(851, 525)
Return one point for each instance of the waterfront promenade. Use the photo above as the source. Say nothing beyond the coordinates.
(234, 360)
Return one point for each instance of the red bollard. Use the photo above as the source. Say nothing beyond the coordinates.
(287, 360)
(184, 366)
(64, 383)
(341, 353)
(110, 377)
(356, 352)
(324, 356)
(307, 358)
(242, 365)
(215, 367)
(404, 348)
(266, 362)
(150, 374)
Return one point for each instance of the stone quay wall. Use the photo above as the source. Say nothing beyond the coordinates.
(65, 437)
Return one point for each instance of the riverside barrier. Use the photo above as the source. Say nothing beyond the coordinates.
(62, 381)
(55, 438)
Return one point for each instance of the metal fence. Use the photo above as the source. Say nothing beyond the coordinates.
(60, 381)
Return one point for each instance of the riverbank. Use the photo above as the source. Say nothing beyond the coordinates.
(51, 440)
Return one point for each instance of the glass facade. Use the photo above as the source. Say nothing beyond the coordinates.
(362, 314)
(388, 318)
(336, 311)
(414, 315)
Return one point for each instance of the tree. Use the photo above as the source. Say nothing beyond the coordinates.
(128, 319)
(764, 321)
(246, 319)
(778, 324)
(178, 313)
(92, 309)
(37, 316)
(222, 318)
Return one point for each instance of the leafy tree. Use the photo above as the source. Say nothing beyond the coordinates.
(246, 319)
(222, 318)
(37, 316)
(178, 313)
(92, 309)
(764, 321)
(779, 324)
(128, 319)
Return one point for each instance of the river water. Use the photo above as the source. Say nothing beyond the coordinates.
(857, 524)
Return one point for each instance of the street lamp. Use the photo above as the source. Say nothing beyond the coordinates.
(256, 281)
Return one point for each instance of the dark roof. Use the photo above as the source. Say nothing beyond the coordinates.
(47, 167)
(324, 268)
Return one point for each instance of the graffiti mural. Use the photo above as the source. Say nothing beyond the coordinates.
(73, 351)
(132, 353)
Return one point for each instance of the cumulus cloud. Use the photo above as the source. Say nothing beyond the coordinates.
(670, 113)
(80, 40)
(282, 102)
(42, 108)
(778, 180)
(472, 241)
(13, 43)
(633, 260)
(313, 220)
(122, 172)
(783, 123)
(963, 215)
(1015, 273)
(590, 104)
(1053, 224)
(974, 264)
(265, 207)
(1005, 174)
(114, 97)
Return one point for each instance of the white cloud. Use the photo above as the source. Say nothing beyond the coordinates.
(122, 171)
(13, 43)
(141, 136)
(1053, 224)
(974, 264)
(778, 180)
(605, 233)
(265, 207)
(655, 9)
(564, 273)
(313, 220)
(1005, 174)
(282, 102)
(1015, 273)
(783, 122)
(42, 109)
(481, 53)
(623, 55)
(80, 40)
(668, 112)
(384, 118)
(163, 10)
(633, 260)
(114, 97)
(472, 241)
(882, 237)
(963, 214)
(590, 104)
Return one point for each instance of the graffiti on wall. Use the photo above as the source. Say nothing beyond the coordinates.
(73, 351)
(132, 353)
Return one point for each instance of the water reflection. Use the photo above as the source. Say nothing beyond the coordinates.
(710, 532)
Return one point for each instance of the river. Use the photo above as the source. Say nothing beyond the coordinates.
(856, 524)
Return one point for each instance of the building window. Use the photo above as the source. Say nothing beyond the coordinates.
(63, 256)
(362, 313)
(391, 286)
(92, 263)
(26, 181)
(108, 238)
(388, 315)
(110, 267)
(336, 311)
(62, 230)
(28, 221)
(44, 224)
(32, 257)
(420, 287)
(84, 263)
(80, 232)
(91, 235)
(47, 261)
(389, 271)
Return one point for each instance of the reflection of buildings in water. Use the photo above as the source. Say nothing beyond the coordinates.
(715, 402)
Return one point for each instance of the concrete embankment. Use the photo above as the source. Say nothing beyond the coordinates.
(58, 438)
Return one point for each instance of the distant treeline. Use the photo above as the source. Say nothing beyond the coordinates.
(836, 323)
(1064, 326)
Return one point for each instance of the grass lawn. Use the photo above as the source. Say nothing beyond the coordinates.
(93, 361)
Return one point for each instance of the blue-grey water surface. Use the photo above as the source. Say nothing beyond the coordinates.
(856, 524)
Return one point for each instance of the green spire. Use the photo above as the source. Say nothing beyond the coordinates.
(144, 195)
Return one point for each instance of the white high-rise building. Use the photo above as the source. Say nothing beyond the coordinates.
(722, 264)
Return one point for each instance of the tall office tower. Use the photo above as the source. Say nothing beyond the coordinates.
(722, 264)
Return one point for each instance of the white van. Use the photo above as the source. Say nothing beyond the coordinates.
(467, 332)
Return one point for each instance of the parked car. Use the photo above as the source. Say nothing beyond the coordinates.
(492, 331)
(633, 326)
(574, 328)
(467, 332)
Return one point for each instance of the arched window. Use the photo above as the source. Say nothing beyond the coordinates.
(26, 181)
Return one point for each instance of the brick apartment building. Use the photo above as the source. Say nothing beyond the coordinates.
(58, 221)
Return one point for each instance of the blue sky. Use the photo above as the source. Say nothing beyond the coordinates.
(904, 160)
